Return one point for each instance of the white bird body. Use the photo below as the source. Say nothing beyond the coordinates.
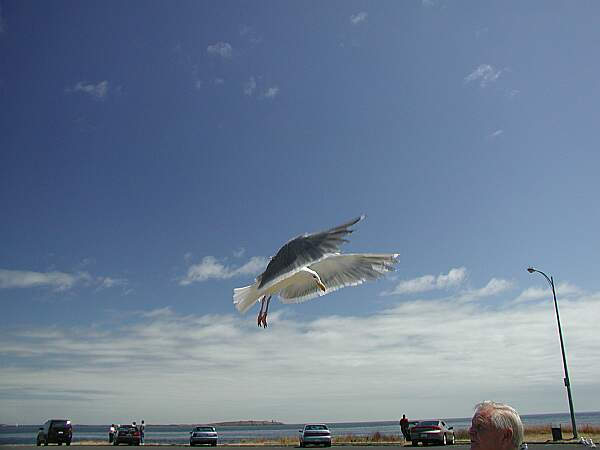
(310, 266)
(246, 296)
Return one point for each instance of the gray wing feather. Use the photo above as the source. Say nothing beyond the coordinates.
(304, 250)
(338, 271)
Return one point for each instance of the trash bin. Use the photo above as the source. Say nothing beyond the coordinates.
(556, 432)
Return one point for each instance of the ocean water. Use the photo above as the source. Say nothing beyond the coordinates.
(177, 434)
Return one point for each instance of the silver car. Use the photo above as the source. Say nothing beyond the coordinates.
(315, 434)
(203, 435)
(432, 432)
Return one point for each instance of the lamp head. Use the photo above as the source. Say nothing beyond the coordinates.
(530, 269)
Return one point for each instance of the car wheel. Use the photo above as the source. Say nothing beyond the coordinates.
(38, 443)
(415, 443)
(68, 443)
(214, 444)
(302, 444)
(444, 440)
(45, 443)
(452, 439)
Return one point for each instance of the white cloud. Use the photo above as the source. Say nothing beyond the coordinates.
(59, 281)
(222, 49)
(218, 81)
(355, 19)
(533, 294)
(211, 268)
(453, 278)
(108, 282)
(485, 74)
(12, 279)
(494, 287)
(250, 86)
(96, 91)
(496, 134)
(272, 92)
(239, 253)
(468, 351)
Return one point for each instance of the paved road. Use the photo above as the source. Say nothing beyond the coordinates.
(244, 447)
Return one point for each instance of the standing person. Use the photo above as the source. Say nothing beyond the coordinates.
(111, 433)
(404, 426)
(495, 426)
(142, 429)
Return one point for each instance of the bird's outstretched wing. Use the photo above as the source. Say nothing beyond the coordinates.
(338, 271)
(304, 250)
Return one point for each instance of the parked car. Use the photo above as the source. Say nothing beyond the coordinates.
(432, 432)
(315, 434)
(204, 435)
(411, 425)
(55, 431)
(127, 434)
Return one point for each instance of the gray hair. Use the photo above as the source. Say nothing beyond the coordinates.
(504, 417)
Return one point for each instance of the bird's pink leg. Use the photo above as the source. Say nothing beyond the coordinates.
(264, 317)
(260, 313)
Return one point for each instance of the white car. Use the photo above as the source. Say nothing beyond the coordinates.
(203, 435)
(315, 434)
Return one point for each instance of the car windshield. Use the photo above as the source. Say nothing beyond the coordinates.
(429, 423)
(59, 423)
(204, 429)
(126, 427)
(316, 427)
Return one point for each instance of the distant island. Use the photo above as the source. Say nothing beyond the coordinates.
(231, 423)
(246, 422)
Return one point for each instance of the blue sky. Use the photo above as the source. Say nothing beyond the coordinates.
(153, 157)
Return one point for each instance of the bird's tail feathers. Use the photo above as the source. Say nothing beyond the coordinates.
(245, 297)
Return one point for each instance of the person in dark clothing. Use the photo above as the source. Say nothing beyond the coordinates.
(404, 426)
(142, 428)
(111, 433)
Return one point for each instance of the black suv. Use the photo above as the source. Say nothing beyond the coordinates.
(55, 431)
(127, 434)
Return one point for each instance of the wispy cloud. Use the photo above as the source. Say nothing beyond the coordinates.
(496, 134)
(533, 294)
(59, 281)
(2, 22)
(218, 81)
(272, 92)
(211, 268)
(250, 34)
(249, 86)
(355, 19)
(453, 278)
(485, 74)
(493, 287)
(108, 282)
(158, 356)
(96, 91)
(239, 252)
(223, 49)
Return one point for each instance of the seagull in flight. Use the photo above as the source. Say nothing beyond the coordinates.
(310, 266)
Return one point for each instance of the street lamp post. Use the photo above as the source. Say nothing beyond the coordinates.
(562, 347)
